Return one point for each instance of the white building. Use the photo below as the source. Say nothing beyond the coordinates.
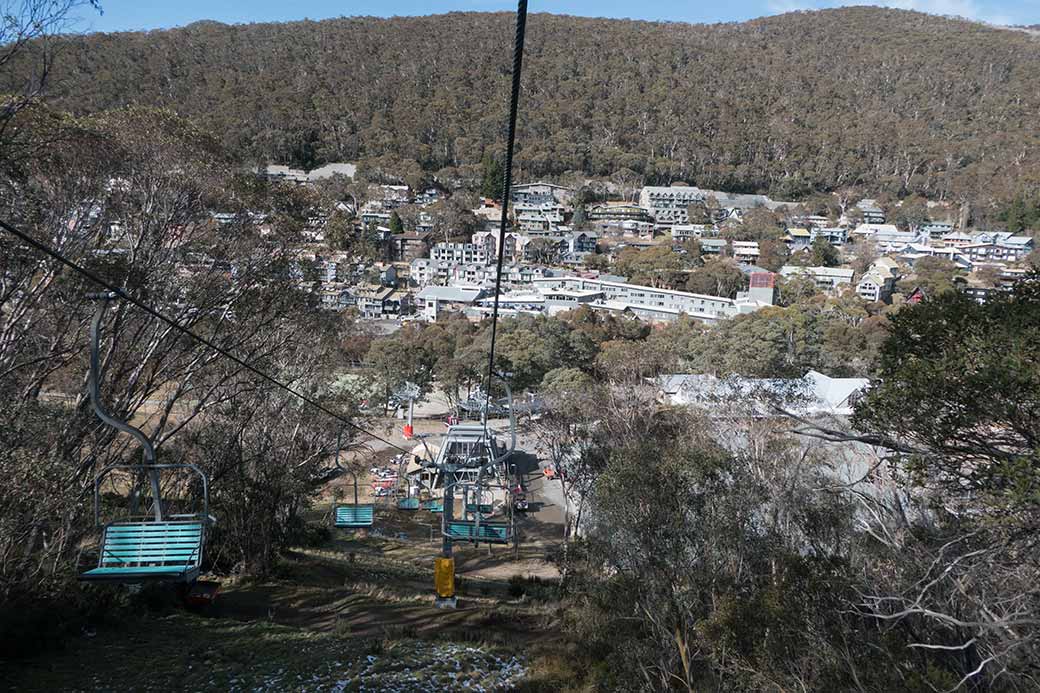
(460, 253)
(997, 247)
(434, 300)
(659, 305)
(540, 193)
(826, 278)
(879, 281)
(670, 204)
(836, 235)
(936, 229)
(424, 270)
(888, 235)
(427, 271)
(484, 275)
(510, 304)
(745, 251)
(686, 232)
(515, 244)
(875, 286)
(814, 394)
(871, 210)
(810, 221)
(539, 218)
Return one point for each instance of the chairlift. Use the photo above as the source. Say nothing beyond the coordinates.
(351, 515)
(158, 546)
(468, 447)
(482, 502)
(408, 498)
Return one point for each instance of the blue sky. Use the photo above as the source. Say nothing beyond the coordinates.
(123, 15)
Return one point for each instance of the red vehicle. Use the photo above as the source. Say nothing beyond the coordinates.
(551, 474)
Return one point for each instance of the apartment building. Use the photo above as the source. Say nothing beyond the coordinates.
(657, 305)
(460, 253)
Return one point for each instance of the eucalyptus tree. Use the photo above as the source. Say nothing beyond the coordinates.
(128, 195)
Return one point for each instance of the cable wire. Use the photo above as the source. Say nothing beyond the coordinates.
(507, 184)
(92, 276)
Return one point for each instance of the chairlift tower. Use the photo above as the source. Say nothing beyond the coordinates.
(467, 449)
(409, 392)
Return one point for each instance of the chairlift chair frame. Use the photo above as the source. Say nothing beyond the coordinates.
(353, 515)
(140, 549)
(159, 547)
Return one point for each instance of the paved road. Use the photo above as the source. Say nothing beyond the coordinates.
(545, 496)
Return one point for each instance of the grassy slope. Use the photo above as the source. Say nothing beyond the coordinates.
(325, 623)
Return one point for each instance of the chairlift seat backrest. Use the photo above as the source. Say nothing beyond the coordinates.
(490, 532)
(353, 515)
(434, 506)
(137, 551)
(408, 504)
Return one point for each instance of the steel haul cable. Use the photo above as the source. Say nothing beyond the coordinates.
(507, 184)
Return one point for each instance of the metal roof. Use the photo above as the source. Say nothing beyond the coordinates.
(455, 294)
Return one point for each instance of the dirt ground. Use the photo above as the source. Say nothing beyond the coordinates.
(343, 614)
(323, 622)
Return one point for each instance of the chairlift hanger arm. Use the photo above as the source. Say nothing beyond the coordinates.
(429, 455)
(94, 387)
(94, 380)
(512, 423)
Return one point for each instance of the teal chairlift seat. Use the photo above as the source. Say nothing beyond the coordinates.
(434, 506)
(490, 532)
(162, 548)
(353, 515)
(141, 551)
(482, 508)
(408, 504)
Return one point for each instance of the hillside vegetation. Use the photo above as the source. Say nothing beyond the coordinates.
(889, 99)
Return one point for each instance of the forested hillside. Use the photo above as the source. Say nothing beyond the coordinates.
(889, 99)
